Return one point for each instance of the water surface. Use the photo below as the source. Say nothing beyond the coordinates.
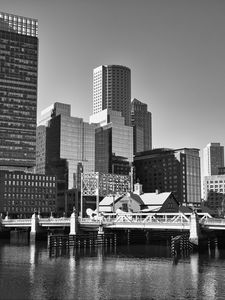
(128, 272)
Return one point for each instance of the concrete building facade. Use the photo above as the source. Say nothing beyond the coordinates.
(21, 194)
(41, 149)
(112, 90)
(213, 159)
(214, 193)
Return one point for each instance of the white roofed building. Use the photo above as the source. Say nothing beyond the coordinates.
(140, 202)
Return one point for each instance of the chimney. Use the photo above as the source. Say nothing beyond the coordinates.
(157, 191)
(138, 188)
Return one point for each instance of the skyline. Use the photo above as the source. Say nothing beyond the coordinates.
(175, 50)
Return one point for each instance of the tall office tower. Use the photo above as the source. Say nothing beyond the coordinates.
(18, 91)
(113, 143)
(141, 121)
(169, 170)
(70, 142)
(41, 136)
(213, 159)
(112, 90)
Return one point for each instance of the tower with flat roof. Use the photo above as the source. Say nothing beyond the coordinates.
(141, 121)
(112, 89)
(18, 91)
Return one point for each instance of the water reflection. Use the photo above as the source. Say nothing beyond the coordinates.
(128, 272)
(32, 263)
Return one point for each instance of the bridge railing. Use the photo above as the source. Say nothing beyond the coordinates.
(144, 218)
(213, 221)
(54, 220)
(113, 218)
(16, 221)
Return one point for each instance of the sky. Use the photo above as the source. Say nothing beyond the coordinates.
(174, 48)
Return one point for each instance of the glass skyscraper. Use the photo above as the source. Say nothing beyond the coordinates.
(113, 143)
(18, 91)
(141, 121)
(67, 144)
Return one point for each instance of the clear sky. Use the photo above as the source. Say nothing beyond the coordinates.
(174, 48)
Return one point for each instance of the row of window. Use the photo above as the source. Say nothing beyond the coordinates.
(31, 183)
(29, 202)
(28, 176)
(29, 196)
(28, 209)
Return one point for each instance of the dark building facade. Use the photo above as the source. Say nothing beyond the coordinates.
(21, 194)
(169, 170)
(103, 149)
(18, 91)
(141, 121)
(106, 161)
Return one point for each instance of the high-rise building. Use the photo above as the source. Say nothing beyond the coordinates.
(70, 142)
(113, 143)
(169, 170)
(112, 89)
(18, 91)
(213, 159)
(141, 121)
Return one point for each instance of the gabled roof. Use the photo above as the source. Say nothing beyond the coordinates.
(134, 196)
(108, 200)
(154, 199)
(151, 209)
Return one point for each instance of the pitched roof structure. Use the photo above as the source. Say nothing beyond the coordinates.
(108, 200)
(155, 199)
(152, 201)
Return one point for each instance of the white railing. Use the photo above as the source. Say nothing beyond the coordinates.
(124, 218)
(146, 218)
(215, 221)
(54, 220)
(16, 221)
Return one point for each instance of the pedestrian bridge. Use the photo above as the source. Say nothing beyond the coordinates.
(159, 221)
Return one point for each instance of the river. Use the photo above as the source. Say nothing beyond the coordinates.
(124, 272)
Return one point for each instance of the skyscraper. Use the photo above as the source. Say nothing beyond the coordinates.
(18, 91)
(113, 143)
(112, 89)
(70, 143)
(141, 121)
(213, 159)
